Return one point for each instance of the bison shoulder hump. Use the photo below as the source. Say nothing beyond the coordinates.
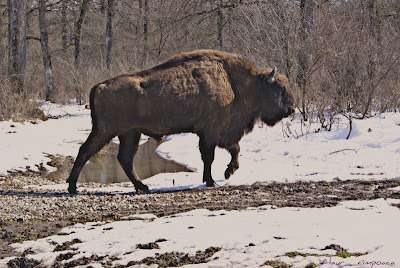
(213, 81)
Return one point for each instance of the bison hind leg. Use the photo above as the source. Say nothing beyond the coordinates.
(129, 143)
(92, 145)
(234, 164)
(207, 151)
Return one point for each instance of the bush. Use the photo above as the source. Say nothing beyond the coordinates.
(18, 106)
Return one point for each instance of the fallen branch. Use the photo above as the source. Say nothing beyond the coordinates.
(343, 150)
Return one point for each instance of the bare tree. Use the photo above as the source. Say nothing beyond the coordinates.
(108, 43)
(339, 56)
(145, 52)
(2, 37)
(44, 41)
(64, 24)
(220, 25)
(17, 42)
(138, 33)
(78, 30)
(306, 24)
(373, 37)
(103, 6)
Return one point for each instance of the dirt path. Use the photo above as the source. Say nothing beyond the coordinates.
(27, 214)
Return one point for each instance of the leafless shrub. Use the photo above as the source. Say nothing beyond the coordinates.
(17, 106)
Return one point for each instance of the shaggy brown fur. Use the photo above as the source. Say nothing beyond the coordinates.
(216, 95)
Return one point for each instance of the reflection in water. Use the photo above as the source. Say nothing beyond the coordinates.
(105, 168)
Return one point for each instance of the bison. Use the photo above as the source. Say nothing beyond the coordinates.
(217, 95)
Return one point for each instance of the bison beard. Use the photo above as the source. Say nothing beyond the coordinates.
(217, 95)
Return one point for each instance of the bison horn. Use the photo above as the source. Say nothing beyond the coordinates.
(271, 76)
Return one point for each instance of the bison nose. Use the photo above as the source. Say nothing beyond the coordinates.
(291, 110)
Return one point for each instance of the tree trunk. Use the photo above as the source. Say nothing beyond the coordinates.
(102, 6)
(45, 49)
(220, 22)
(107, 52)
(145, 34)
(138, 34)
(78, 30)
(64, 23)
(374, 40)
(2, 45)
(17, 42)
(306, 17)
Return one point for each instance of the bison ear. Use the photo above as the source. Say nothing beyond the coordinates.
(271, 76)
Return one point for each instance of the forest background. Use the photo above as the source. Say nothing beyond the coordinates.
(340, 56)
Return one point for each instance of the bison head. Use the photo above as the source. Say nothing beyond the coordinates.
(277, 100)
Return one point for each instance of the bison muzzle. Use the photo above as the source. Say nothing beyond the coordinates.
(217, 95)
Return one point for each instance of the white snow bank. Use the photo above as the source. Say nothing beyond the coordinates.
(372, 152)
(25, 144)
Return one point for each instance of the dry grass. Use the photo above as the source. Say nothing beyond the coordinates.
(18, 106)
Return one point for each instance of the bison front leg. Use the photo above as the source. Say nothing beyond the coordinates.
(129, 143)
(234, 164)
(92, 145)
(207, 155)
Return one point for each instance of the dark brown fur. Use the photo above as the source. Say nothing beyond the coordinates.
(216, 95)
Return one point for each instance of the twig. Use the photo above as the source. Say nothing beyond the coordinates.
(343, 150)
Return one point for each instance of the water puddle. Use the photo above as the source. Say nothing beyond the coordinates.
(105, 168)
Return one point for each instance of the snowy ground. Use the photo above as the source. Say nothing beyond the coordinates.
(248, 238)
(367, 227)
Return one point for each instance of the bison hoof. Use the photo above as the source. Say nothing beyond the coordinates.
(72, 189)
(142, 188)
(230, 170)
(210, 183)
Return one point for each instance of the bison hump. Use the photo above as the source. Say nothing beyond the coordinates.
(213, 82)
(207, 80)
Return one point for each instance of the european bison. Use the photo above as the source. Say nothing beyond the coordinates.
(217, 95)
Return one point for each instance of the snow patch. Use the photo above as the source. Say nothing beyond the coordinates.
(248, 238)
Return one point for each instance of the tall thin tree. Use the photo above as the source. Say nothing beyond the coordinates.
(102, 6)
(44, 41)
(109, 35)
(145, 33)
(138, 33)
(220, 25)
(306, 21)
(17, 42)
(64, 27)
(373, 37)
(78, 30)
(2, 34)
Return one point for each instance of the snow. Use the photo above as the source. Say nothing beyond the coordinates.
(248, 238)
(30, 142)
(26, 144)
(371, 227)
(372, 152)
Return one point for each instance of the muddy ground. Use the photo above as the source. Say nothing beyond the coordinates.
(27, 213)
